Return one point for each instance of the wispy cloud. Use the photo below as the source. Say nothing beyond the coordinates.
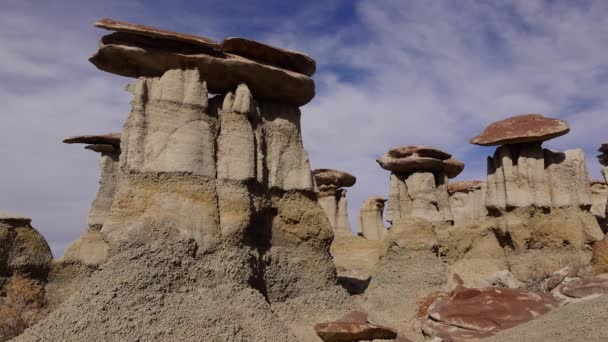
(389, 73)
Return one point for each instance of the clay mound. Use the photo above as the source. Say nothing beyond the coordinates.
(334, 177)
(163, 290)
(102, 139)
(521, 129)
(582, 321)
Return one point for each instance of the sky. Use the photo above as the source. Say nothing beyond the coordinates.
(389, 73)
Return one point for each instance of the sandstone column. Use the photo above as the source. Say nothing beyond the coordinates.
(419, 182)
(603, 159)
(332, 197)
(370, 221)
(468, 201)
(90, 248)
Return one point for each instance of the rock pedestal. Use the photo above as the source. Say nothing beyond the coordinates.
(468, 201)
(419, 183)
(332, 197)
(370, 222)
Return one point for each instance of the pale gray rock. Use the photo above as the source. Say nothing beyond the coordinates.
(467, 201)
(342, 221)
(370, 222)
(599, 197)
(332, 197)
(89, 249)
(420, 194)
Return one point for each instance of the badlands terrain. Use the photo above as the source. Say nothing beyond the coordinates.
(209, 224)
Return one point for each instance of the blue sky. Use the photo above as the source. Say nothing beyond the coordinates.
(389, 73)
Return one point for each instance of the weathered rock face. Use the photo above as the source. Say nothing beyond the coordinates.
(371, 225)
(468, 201)
(599, 198)
(419, 182)
(23, 250)
(467, 314)
(603, 157)
(521, 129)
(333, 198)
(137, 50)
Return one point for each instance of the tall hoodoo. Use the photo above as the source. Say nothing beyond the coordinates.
(219, 187)
(419, 182)
(370, 222)
(332, 197)
(90, 248)
(468, 201)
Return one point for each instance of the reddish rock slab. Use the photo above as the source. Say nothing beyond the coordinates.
(465, 186)
(106, 139)
(353, 331)
(413, 163)
(420, 151)
(521, 129)
(585, 287)
(490, 309)
(102, 148)
(354, 327)
(451, 333)
(148, 31)
(603, 159)
(290, 60)
(334, 177)
(133, 55)
(555, 279)
(452, 167)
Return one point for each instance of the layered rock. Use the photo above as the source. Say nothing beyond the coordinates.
(271, 73)
(467, 201)
(419, 182)
(370, 221)
(599, 198)
(24, 251)
(332, 197)
(215, 206)
(90, 248)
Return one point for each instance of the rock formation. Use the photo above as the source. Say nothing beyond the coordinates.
(333, 198)
(23, 251)
(467, 201)
(215, 205)
(370, 222)
(599, 198)
(90, 248)
(419, 182)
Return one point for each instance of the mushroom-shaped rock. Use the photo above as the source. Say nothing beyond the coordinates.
(23, 250)
(370, 220)
(413, 158)
(521, 129)
(334, 177)
(142, 51)
(103, 139)
(332, 198)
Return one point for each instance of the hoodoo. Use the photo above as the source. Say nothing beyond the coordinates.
(90, 248)
(468, 201)
(370, 222)
(419, 182)
(332, 197)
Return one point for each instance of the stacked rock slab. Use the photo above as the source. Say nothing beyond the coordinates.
(468, 201)
(215, 217)
(332, 197)
(90, 248)
(23, 250)
(419, 182)
(370, 221)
